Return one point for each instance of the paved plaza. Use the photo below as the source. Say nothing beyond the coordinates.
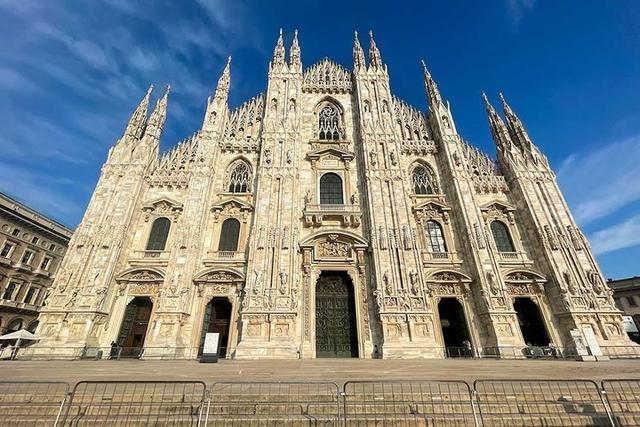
(335, 370)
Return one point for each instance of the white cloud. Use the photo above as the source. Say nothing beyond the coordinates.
(517, 9)
(600, 182)
(622, 235)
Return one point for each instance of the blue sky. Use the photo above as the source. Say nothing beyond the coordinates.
(71, 73)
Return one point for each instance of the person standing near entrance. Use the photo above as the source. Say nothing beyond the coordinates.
(114, 350)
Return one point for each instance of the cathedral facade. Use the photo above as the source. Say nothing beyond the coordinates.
(327, 218)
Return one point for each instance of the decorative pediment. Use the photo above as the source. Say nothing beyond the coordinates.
(144, 275)
(163, 206)
(449, 276)
(524, 276)
(232, 205)
(330, 157)
(498, 210)
(434, 208)
(219, 276)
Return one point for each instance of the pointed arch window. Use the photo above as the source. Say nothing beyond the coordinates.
(328, 124)
(240, 178)
(331, 189)
(424, 180)
(502, 237)
(159, 233)
(229, 235)
(435, 237)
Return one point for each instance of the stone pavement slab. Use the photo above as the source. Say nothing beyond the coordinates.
(334, 370)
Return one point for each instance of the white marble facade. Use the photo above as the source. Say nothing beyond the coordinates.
(420, 222)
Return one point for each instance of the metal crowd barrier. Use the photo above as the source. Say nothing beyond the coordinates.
(408, 403)
(623, 397)
(542, 403)
(177, 403)
(359, 403)
(273, 403)
(32, 403)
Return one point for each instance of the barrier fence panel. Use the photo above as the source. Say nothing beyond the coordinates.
(541, 403)
(623, 397)
(273, 404)
(408, 403)
(31, 403)
(136, 403)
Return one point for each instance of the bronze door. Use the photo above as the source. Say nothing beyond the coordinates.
(336, 334)
(134, 327)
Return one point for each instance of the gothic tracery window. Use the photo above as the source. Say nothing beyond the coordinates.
(159, 233)
(240, 178)
(229, 235)
(502, 237)
(435, 236)
(331, 189)
(424, 180)
(328, 124)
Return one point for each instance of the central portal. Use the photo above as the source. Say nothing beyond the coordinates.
(336, 332)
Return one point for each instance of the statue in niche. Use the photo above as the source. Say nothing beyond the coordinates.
(406, 237)
(354, 199)
(414, 279)
(383, 238)
(101, 294)
(284, 277)
(392, 157)
(307, 198)
(373, 158)
(387, 283)
(261, 237)
(494, 287)
(289, 157)
(257, 282)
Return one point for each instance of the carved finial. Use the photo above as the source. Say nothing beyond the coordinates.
(375, 60)
(516, 127)
(358, 54)
(136, 124)
(155, 125)
(222, 89)
(435, 99)
(278, 51)
(295, 61)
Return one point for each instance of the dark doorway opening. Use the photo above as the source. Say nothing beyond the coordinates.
(531, 322)
(454, 328)
(134, 327)
(336, 330)
(217, 318)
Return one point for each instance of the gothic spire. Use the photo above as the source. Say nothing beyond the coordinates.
(295, 62)
(358, 54)
(375, 60)
(278, 51)
(432, 88)
(515, 125)
(155, 125)
(222, 89)
(135, 127)
(498, 129)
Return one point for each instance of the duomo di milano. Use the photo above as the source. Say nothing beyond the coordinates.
(327, 218)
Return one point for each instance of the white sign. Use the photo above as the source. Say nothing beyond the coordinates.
(211, 343)
(578, 340)
(629, 324)
(592, 342)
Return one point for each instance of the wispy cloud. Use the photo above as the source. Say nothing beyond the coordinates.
(622, 235)
(517, 9)
(602, 181)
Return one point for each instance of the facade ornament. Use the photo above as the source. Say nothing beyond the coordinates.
(257, 282)
(373, 158)
(388, 287)
(383, 237)
(494, 287)
(406, 237)
(413, 278)
(553, 242)
(284, 277)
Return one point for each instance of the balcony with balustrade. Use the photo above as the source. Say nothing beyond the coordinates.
(349, 215)
(429, 257)
(514, 258)
(150, 257)
(224, 257)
